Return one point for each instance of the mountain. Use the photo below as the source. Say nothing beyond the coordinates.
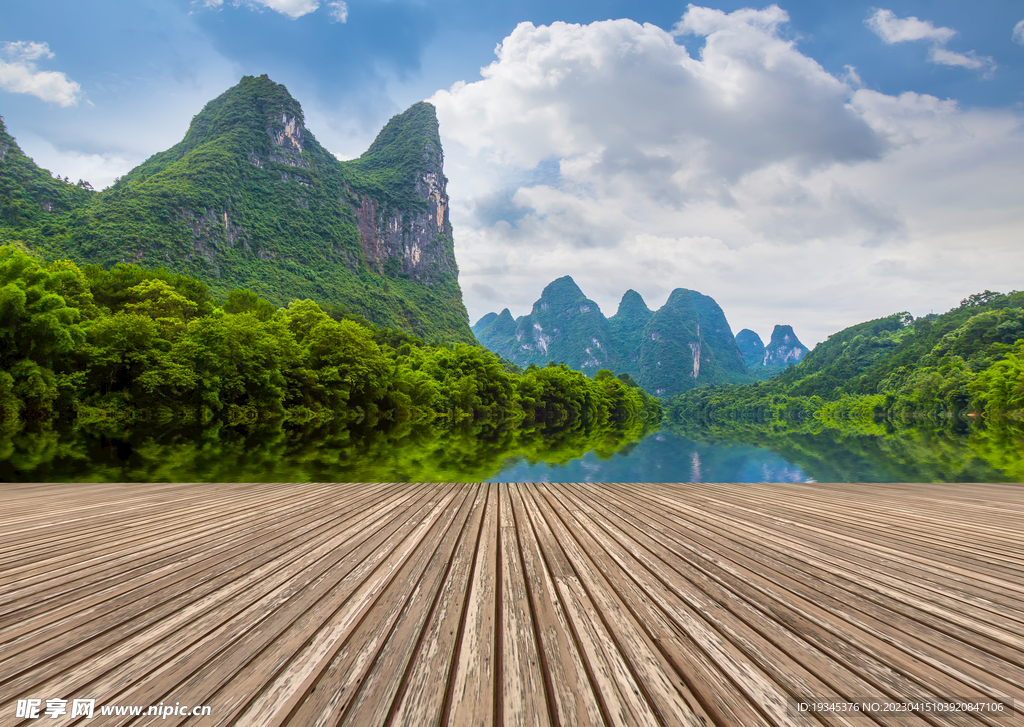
(500, 328)
(481, 325)
(564, 326)
(686, 343)
(784, 349)
(751, 348)
(627, 327)
(250, 199)
(29, 196)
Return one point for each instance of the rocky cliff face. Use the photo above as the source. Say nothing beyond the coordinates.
(406, 232)
(414, 244)
(765, 361)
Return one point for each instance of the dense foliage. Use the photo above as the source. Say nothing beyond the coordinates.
(133, 345)
(249, 199)
(967, 363)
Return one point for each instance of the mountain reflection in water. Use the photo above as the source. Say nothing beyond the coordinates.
(429, 454)
(665, 457)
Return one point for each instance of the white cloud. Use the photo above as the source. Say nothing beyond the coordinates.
(852, 77)
(291, 8)
(969, 60)
(100, 170)
(19, 74)
(1018, 33)
(26, 50)
(891, 29)
(607, 152)
(338, 10)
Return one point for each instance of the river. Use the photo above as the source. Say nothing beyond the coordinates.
(223, 454)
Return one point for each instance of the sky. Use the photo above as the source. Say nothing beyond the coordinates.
(810, 163)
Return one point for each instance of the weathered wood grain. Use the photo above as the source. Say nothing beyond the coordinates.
(514, 604)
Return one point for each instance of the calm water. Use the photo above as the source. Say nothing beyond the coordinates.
(431, 455)
(664, 457)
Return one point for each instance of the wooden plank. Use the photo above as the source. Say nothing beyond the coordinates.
(250, 643)
(361, 681)
(425, 685)
(471, 690)
(568, 686)
(731, 631)
(610, 670)
(672, 697)
(893, 662)
(91, 594)
(296, 662)
(133, 656)
(521, 689)
(913, 635)
(519, 604)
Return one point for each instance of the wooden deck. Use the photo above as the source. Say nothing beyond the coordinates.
(522, 604)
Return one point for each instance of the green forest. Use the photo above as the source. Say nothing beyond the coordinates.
(130, 346)
(938, 370)
(248, 201)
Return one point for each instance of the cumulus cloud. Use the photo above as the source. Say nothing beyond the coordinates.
(969, 60)
(608, 152)
(290, 8)
(26, 50)
(1018, 33)
(892, 29)
(852, 77)
(338, 10)
(19, 74)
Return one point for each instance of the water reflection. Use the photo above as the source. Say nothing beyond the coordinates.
(977, 453)
(665, 457)
(430, 454)
(325, 454)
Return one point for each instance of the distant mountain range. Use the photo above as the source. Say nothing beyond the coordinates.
(783, 349)
(250, 199)
(685, 343)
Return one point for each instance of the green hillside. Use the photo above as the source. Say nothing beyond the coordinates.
(627, 327)
(751, 348)
(968, 362)
(249, 199)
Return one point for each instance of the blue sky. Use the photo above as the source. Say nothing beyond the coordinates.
(812, 163)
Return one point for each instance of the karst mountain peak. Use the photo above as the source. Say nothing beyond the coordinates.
(250, 199)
